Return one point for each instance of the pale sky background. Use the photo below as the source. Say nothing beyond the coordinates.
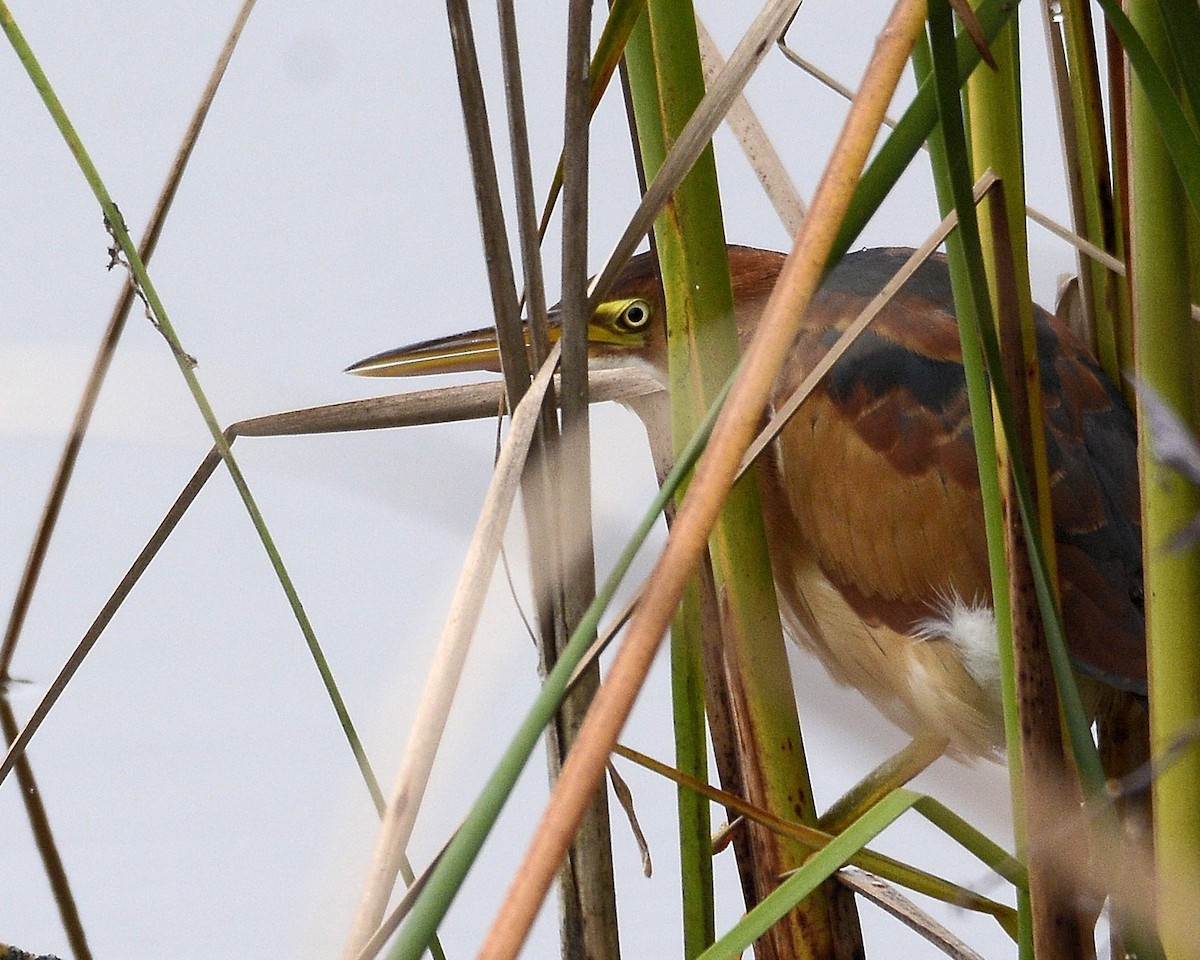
(201, 791)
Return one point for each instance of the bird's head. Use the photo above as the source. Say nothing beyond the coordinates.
(627, 328)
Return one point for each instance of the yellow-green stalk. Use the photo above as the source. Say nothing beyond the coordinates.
(1089, 170)
(1166, 353)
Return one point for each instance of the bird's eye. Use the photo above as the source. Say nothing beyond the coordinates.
(635, 316)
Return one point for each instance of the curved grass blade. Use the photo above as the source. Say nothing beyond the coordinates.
(819, 868)
(1182, 21)
(883, 866)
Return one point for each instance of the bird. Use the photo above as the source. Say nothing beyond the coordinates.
(871, 495)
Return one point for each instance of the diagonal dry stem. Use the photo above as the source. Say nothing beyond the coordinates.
(40, 545)
(108, 347)
(889, 899)
(768, 166)
(714, 478)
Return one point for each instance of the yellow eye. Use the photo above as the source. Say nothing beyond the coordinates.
(635, 316)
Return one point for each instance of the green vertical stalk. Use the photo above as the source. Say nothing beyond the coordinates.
(1166, 351)
(687, 653)
(989, 485)
(997, 142)
(667, 83)
(1091, 172)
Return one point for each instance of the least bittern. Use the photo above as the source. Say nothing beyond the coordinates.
(871, 492)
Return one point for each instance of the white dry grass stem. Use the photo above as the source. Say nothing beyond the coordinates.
(444, 673)
(776, 182)
(696, 135)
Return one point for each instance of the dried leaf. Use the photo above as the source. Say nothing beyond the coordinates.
(625, 799)
(903, 909)
(974, 30)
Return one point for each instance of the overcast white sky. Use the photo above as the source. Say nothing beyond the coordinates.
(201, 791)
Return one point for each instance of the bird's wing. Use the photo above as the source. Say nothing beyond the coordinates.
(1091, 444)
(884, 488)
